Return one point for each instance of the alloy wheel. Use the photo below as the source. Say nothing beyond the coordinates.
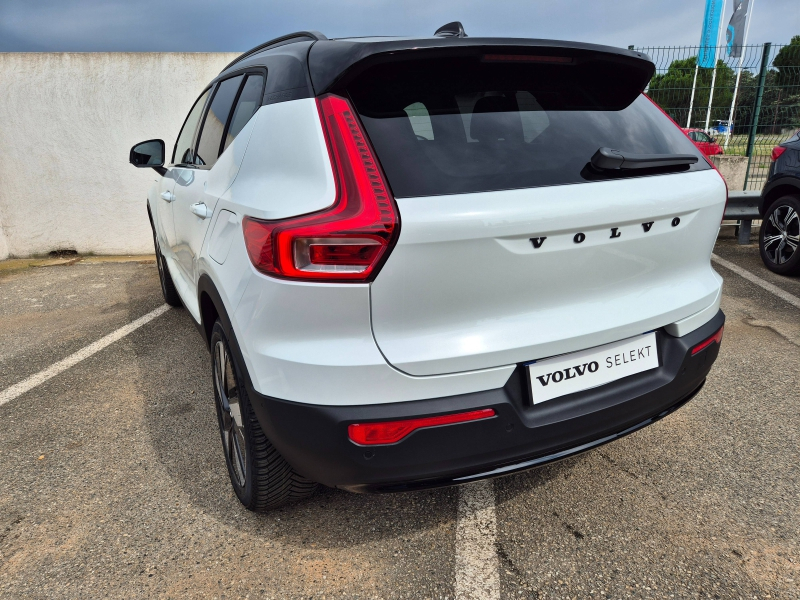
(233, 435)
(782, 234)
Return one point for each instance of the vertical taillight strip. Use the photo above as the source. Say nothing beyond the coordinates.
(348, 241)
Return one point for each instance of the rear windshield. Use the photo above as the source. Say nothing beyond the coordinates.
(454, 126)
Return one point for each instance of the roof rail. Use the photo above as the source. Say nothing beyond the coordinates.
(314, 35)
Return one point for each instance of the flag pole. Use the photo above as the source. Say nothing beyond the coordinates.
(749, 17)
(714, 74)
(694, 86)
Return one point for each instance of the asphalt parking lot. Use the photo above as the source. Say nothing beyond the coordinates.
(113, 482)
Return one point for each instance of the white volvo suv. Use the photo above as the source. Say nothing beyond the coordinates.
(420, 262)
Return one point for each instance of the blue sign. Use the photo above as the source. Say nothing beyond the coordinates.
(707, 57)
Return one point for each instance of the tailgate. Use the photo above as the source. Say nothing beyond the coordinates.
(466, 289)
(514, 244)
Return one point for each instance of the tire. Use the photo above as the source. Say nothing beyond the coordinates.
(260, 476)
(779, 237)
(171, 296)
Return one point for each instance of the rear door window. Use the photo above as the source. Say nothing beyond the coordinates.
(208, 145)
(246, 106)
(450, 126)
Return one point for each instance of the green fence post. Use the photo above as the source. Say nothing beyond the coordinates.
(751, 138)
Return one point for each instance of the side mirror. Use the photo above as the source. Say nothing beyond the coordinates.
(149, 155)
(713, 140)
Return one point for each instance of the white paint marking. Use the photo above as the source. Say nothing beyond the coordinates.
(477, 564)
(774, 289)
(8, 394)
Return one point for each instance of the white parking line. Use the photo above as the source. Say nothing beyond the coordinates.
(8, 394)
(773, 289)
(477, 564)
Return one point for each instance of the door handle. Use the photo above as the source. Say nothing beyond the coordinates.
(200, 209)
(168, 196)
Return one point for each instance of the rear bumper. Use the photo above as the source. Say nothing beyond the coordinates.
(313, 438)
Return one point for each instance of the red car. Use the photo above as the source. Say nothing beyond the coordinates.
(705, 142)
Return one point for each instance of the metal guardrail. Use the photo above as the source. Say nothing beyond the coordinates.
(743, 207)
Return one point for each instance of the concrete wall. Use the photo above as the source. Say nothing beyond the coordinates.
(67, 122)
(733, 169)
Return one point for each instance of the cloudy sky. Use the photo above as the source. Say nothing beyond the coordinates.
(236, 25)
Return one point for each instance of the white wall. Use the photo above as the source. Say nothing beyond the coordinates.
(67, 123)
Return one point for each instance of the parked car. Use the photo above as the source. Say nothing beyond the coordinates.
(780, 210)
(421, 262)
(722, 127)
(705, 142)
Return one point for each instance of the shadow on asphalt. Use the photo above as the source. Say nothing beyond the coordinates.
(524, 483)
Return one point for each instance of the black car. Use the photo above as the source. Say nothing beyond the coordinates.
(780, 209)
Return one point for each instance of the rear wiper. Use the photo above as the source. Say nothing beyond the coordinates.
(608, 159)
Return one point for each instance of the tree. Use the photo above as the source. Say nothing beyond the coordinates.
(787, 62)
(785, 101)
(673, 90)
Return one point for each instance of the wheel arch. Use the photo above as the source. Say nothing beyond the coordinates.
(212, 308)
(780, 187)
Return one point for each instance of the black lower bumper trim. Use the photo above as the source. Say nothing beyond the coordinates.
(520, 466)
(313, 438)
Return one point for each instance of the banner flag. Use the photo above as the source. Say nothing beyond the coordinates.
(707, 57)
(735, 32)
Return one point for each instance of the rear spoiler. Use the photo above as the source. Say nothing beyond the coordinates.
(334, 63)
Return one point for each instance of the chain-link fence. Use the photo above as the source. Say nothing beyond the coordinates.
(766, 98)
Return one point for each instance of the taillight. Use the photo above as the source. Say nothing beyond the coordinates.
(777, 151)
(727, 193)
(389, 432)
(714, 339)
(348, 241)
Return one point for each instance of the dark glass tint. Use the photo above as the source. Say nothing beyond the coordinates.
(208, 146)
(183, 153)
(148, 153)
(246, 106)
(450, 126)
(699, 136)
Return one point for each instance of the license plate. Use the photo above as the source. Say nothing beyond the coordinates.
(570, 373)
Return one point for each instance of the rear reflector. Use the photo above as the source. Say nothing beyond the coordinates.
(389, 432)
(348, 241)
(777, 151)
(716, 338)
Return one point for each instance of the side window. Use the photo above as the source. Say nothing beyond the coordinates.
(247, 105)
(182, 154)
(214, 125)
(702, 137)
